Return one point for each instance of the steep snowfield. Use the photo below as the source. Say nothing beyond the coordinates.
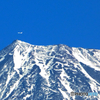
(31, 72)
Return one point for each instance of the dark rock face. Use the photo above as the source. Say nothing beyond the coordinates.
(30, 72)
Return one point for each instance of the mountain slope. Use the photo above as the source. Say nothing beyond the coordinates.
(31, 72)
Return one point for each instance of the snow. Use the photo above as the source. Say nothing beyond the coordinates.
(81, 58)
(17, 59)
(27, 96)
(2, 58)
(22, 60)
(65, 83)
(87, 75)
(43, 72)
(93, 86)
(9, 77)
(66, 96)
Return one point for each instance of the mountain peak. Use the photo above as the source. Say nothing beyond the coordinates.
(15, 44)
(17, 41)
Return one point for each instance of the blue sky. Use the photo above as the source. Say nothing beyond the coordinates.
(75, 23)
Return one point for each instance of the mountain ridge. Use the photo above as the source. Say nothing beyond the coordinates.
(32, 72)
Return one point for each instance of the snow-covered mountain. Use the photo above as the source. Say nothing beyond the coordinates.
(32, 72)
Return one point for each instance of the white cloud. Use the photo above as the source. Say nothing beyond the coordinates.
(20, 32)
